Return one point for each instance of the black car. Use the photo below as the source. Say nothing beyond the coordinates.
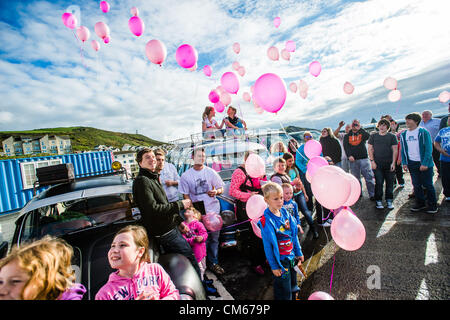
(87, 213)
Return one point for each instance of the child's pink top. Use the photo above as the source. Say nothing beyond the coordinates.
(151, 277)
(197, 229)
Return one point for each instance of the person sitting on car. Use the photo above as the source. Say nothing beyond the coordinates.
(160, 217)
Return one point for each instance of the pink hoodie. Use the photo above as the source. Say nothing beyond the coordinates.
(151, 277)
(199, 248)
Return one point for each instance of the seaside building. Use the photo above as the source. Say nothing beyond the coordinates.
(29, 145)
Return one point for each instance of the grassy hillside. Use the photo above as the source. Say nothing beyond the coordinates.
(86, 138)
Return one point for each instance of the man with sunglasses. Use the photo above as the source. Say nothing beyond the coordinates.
(356, 151)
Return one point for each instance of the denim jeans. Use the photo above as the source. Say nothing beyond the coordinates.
(173, 242)
(445, 177)
(383, 173)
(425, 179)
(362, 167)
(303, 207)
(212, 247)
(286, 284)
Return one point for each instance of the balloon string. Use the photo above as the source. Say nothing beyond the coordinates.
(332, 272)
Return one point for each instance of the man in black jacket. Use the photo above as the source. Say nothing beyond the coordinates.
(356, 151)
(160, 217)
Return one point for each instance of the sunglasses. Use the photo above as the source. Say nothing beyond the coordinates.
(307, 137)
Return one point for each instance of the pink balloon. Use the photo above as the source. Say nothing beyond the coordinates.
(134, 11)
(355, 190)
(273, 54)
(285, 54)
(302, 86)
(235, 65)
(95, 45)
(241, 71)
(216, 166)
(104, 6)
(255, 206)
(69, 20)
(270, 92)
(255, 166)
(186, 56)
(106, 40)
(101, 29)
(314, 164)
(207, 71)
(212, 221)
(348, 88)
(220, 90)
(136, 26)
(290, 46)
(308, 176)
(236, 47)
(156, 51)
(315, 68)
(390, 83)
(219, 106)
(303, 94)
(444, 96)
(293, 87)
(213, 96)
(348, 231)
(225, 98)
(246, 96)
(230, 82)
(329, 178)
(258, 109)
(256, 228)
(83, 33)
(313, 148)
(277, 22)
(320, 295)
(394, 95)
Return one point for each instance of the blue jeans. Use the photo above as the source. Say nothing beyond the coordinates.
(286, 284)
(425, 179)
(303, 207)
(212, 247)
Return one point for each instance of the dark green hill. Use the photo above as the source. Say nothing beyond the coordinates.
(86, 138)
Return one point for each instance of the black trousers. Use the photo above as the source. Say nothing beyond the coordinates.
(173, 242)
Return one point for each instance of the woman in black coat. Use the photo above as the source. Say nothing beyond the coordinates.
(330, 146)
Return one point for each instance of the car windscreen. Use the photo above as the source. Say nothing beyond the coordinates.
(65, 217)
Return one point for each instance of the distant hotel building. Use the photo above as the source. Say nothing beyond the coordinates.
(27, 145)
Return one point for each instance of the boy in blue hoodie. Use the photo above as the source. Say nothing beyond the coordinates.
(281, 245)
(416, 151)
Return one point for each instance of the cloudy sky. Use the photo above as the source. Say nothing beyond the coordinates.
(50, 79)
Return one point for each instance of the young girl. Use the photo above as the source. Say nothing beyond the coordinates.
(210, 126)
(300, 196)
(195, 234)
(136, 278)
(40, 271)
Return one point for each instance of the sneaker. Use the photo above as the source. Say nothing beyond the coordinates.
(418, 207)
(390, 205)
(447, 199)
(431, 209)
(259, 270)
(325, 224)
(379, 205)
(218, 270)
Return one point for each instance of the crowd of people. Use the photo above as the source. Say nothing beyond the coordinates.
(172, 208)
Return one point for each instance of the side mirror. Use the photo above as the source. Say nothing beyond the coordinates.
(3, 249)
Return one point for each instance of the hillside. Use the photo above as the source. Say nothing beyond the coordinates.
(86, 138)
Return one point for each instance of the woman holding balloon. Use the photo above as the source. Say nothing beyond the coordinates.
(242, 187)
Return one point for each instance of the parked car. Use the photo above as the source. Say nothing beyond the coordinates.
(87, 213)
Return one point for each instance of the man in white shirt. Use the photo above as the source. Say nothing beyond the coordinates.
(202, 183)
(168, 176)
(432, 125)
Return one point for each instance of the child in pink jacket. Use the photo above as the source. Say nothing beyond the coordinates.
(195, 234)
(136, 278)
